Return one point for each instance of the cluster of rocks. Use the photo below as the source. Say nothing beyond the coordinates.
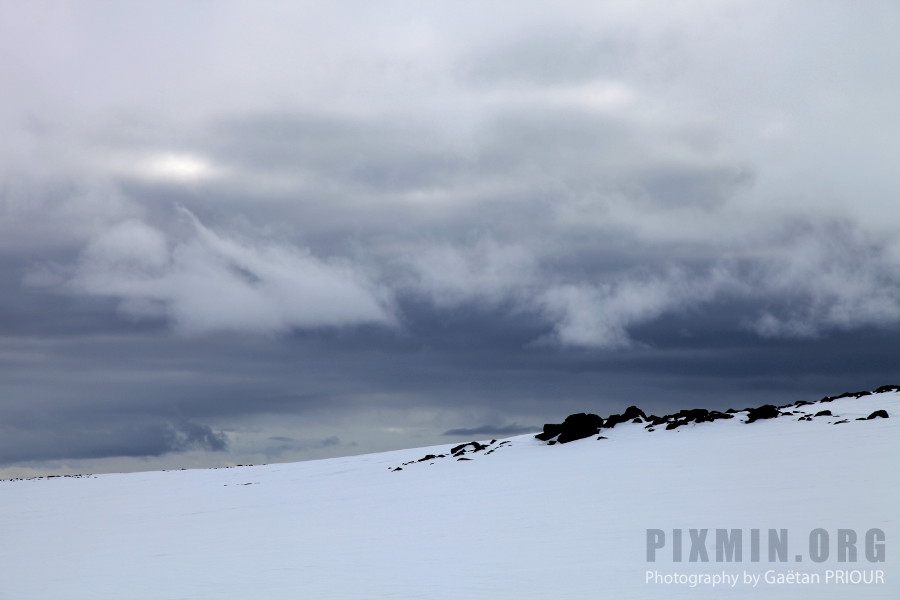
(683, 417)
(821, 413)
(583, 425)
(458, 452)
(878, 414)
(881, 390)
(39, 477)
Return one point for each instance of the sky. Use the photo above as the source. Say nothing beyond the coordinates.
(255, 232)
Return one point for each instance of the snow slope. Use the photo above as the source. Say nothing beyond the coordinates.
(526, 521)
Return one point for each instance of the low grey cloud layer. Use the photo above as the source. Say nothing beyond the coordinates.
(226, 228)
(501, 430)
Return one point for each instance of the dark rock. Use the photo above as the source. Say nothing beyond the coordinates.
(691, 415)
(675, 424)
(463, 458)
(823, 413)
(602, 437)
(583, 419)
(888, 388)
(633, 412)
(767, 411)
(579, 426)
(457, 450)
(611, 421)
(714, 414)
(710, 416)
(879, 414)
(846, 395)
(427, 457)
(575, 427)
(551, 430)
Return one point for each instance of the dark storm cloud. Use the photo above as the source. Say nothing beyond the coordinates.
(475, 362)
(30, 441)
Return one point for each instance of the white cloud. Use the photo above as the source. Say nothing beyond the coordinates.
(768, 325)
(485, 271)
(208, 282)
(612, 97)
(599, 315)
(836, 279)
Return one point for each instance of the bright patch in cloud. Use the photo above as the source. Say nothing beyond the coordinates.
(176, 167)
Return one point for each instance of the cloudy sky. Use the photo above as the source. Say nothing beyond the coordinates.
(253, 232)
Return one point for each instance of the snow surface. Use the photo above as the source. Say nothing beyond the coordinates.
(526, 521)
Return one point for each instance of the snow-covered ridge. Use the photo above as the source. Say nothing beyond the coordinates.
(520, 520)
(584, 425)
